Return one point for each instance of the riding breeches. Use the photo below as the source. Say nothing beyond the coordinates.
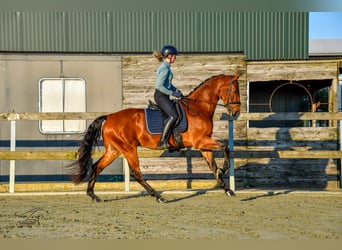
(165, 104)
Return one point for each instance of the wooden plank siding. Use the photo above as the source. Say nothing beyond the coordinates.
(191, 70)
(292, 70)
(301, 172)
(298, 71)
(319, 173)
(139, 73)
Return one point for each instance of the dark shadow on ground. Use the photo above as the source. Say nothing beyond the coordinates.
(268, 194)
(126, 197)
(192, 195)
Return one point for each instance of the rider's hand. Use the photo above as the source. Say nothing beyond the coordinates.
(178, 94)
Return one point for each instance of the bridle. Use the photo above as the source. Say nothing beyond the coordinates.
(226, 105)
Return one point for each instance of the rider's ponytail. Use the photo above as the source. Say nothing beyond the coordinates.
(158, 55)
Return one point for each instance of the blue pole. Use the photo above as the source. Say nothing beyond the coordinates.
(231, 159)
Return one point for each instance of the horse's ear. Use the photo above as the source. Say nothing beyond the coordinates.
(235, 77)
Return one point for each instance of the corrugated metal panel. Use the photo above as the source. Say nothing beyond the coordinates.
(41, 31)
(88, 32)
(198, 31)
(220, 31)
(178, 28)
(10, 31)
(131, 31)
(261, 35)
(274, 35)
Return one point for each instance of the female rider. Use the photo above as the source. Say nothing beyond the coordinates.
(164, 89)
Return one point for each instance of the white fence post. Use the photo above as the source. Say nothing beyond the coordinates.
(126, 174)
(12, 162)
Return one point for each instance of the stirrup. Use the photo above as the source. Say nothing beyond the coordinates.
(163, 145)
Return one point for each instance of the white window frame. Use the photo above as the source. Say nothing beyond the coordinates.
(58, 95)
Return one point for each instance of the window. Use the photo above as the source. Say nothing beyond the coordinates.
(62, 95)
(288, 96)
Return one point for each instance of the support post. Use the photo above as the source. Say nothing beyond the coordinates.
(340, 135)
(126, 175)
(12, 162)
(231, 159)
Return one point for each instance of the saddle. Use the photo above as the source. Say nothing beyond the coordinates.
(155, 119)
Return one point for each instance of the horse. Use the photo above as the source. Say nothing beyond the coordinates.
(123, 131)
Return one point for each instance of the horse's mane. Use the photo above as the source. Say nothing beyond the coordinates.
(206, 80)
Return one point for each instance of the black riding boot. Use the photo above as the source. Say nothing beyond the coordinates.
(163, 143)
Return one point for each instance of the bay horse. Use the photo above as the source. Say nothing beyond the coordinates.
(123, 131)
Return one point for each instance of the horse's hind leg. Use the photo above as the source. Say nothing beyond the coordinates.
(135, 172)
(101, 164)
(138, 177)
(91, 183)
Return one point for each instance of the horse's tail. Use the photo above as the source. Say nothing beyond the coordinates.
(83, 166)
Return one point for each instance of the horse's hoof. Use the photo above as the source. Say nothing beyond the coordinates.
(161, 200)
(96, 199)
(230, 193)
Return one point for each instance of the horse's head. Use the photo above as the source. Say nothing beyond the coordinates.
(230, 95)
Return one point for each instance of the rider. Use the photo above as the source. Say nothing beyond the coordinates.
(164, 88)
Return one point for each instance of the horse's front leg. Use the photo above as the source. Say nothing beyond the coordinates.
(218, 171)
(225, 168)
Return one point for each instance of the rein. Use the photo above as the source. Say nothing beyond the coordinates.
(213, 103)
(196, 100)
(187, 103)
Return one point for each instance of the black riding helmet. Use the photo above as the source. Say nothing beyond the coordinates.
(169, 50)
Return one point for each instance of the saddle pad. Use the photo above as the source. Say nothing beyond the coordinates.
(154, 121)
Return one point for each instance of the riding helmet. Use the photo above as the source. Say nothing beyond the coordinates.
(169, 50)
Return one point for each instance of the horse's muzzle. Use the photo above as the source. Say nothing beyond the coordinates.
(233, 111)
(233, 108)
(233, 114)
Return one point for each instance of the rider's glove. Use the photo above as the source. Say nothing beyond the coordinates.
(178, 94)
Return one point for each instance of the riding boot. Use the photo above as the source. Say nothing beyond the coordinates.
(163, 142)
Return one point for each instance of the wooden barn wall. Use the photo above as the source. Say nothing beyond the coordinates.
(292, 70)
(189, 71)
(139, 72)
(318, 173)
(297, 71)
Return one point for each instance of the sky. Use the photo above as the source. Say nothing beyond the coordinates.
(325, 25)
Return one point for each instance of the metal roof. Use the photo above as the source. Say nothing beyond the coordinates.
(259, 35)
